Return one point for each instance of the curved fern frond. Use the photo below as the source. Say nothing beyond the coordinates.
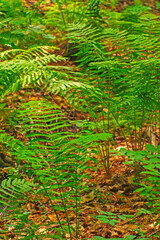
(23, 67)
(26, 54)
(13, 190)
(36, 66)
(63, 86)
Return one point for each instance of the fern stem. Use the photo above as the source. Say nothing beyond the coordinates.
(159, 104)
(121, 130)
(108, 142)
(74, 10)
(77, 215)
(142, 122)
(135, 129)
(101, 151)
(59, 221)
(65, 208)
(60, 9)
(67, 13)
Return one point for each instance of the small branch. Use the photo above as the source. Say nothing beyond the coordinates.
(153, 233)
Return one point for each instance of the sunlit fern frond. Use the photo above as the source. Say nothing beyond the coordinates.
(19, 68)
(63, 87)
(37, 67)
(26, 54)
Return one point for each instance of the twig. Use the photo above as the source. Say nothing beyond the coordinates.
(153, 233)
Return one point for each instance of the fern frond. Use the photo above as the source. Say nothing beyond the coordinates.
(122, 61)
(13, 190)
(32, 67)
(54, 156)
(24, 67)
(9, 141)
(63, 86)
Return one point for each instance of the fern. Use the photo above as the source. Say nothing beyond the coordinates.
(28, 67)
(117, 86)
(13, 190)
(54, 157)
(123, 72)
(20, 68)
(74, 12)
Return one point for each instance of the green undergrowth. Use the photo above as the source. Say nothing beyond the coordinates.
(113, 81)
